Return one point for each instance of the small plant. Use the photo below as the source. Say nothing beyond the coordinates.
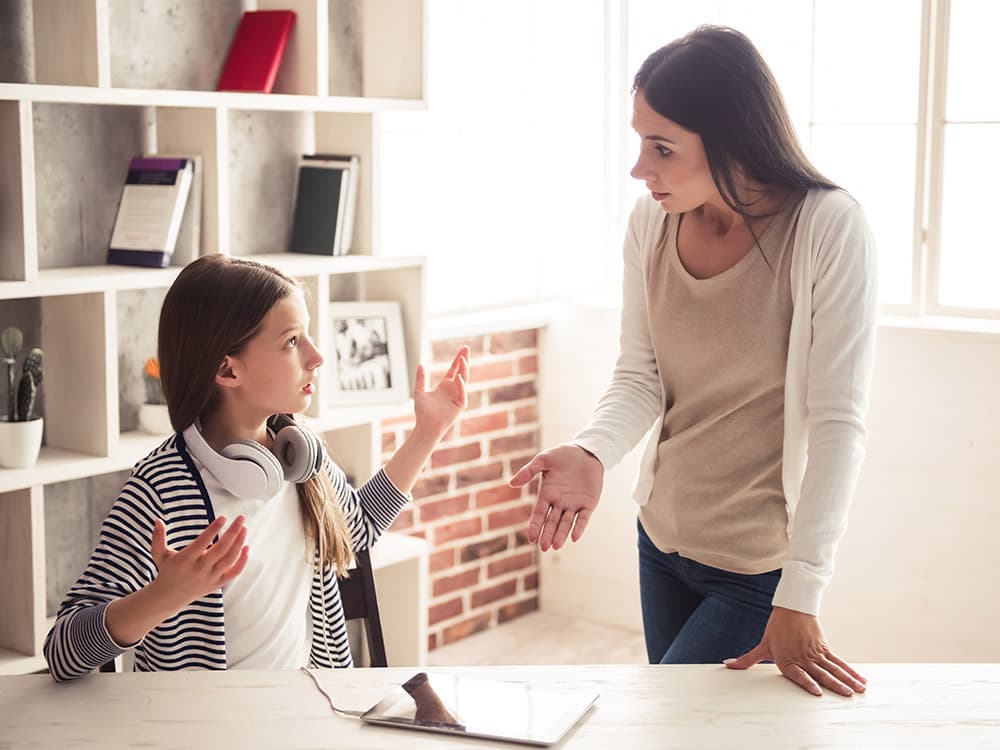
(20, 401)
(151, 378)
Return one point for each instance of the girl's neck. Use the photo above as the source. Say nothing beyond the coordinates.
(224, 426)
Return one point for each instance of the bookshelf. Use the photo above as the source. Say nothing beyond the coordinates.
(109, 80)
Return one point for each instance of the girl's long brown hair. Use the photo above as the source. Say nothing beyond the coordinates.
(214, 308)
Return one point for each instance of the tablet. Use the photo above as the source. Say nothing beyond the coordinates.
(476, 707)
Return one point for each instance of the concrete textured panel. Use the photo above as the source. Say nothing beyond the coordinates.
(345, 48)
(17, 49)
(264, 148)
(81, 161)
(138, 320)
(74, 512)
(173, 44)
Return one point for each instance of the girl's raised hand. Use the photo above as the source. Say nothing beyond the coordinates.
(200, 568)
(436, 410)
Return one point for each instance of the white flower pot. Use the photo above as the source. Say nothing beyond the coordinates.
(20, 442)
(154, 419)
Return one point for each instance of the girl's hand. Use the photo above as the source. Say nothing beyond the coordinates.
(571, 485)
(201, 567)
(794, 642)
(437, 410)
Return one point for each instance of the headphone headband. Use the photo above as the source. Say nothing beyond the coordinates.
(248, 470)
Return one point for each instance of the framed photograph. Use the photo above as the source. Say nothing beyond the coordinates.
(368, 354)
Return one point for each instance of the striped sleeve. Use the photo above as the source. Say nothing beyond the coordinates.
(79, 641)
(370, 509)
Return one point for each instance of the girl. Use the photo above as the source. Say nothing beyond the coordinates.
(168, 577)
(747, 345)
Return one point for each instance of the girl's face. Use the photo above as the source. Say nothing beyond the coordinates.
(672, 161)
(277, 370)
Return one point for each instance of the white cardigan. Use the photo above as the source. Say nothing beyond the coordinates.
(831, 352)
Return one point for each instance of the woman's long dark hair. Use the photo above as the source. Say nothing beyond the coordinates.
(714, 82)
(211, 311)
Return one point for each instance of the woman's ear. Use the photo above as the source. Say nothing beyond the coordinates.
(226, 375)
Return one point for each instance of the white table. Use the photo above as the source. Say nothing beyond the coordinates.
(945, 706)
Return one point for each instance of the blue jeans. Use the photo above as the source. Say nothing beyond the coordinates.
(697, 614)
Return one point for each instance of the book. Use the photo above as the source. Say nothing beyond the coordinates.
(256, 51)
(188, 245)
(325, 204)
(150, 211)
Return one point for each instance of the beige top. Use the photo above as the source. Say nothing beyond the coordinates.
(721, 347)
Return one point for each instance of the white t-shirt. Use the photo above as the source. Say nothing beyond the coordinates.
(267, 605)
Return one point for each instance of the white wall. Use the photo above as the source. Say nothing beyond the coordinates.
(917, 571)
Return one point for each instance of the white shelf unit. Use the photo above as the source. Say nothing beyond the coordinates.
(65, 140)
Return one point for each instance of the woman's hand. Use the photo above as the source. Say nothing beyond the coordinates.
(571, 485)
(436, 410)
(794, 642)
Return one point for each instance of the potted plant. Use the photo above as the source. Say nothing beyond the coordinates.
(20, 428)
(153, 416)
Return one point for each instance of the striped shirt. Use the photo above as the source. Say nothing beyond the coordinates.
(167, 485)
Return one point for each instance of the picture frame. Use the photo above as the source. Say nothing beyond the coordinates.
(367, 354)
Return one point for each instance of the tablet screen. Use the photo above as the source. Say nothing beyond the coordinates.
(517, 711)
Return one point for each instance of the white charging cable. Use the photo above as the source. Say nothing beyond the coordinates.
(342, 711)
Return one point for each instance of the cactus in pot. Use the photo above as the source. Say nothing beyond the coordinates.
(20, 429)
(11, 341)
(21, 400)
(30, 382)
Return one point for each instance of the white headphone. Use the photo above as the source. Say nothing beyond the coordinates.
(250, 471)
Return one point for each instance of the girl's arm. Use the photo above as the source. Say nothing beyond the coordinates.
(371, 509)
(133, 582)
(436, 411)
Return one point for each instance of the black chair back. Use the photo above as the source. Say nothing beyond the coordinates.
(357, 594)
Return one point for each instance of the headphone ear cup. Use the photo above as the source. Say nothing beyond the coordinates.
(262, 483)
(299, 452)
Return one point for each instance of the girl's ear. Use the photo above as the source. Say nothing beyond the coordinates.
(225, 375)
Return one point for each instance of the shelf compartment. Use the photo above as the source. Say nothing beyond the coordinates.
(263, 153)
(353, 134)
(22, 560)
(81, 161)
(393, 57)
(175, 45)
(19, 259)
(78, 338)
(138, 316)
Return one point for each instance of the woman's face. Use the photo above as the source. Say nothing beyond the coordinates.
(672, 161)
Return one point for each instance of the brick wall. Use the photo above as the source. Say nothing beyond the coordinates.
(483, 572)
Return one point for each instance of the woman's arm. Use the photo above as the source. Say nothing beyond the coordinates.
(840, 365)
(841, 360)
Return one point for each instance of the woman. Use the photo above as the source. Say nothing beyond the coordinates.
(747, 344)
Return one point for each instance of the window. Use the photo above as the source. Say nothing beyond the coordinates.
(969, 258)
(515, 181)
(500, 183)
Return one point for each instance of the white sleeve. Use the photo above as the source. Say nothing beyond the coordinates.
(840, 364)
(632, 401)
